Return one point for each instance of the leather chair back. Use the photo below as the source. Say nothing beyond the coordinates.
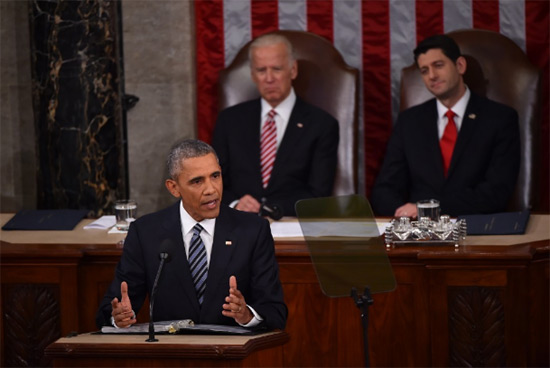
(498, 69)
(324, 80)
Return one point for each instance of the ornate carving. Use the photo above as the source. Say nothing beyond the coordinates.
(476, 327)
(31, 323)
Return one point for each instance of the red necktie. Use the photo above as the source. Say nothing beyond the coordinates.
(448, 140)
(268, 147)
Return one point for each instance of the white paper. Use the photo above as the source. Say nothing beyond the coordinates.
(114, 230)
(293, 229)
(175, 327)
(286, 229)
(102, 223)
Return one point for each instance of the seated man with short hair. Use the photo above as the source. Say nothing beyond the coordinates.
(277, 149)
(459, 148)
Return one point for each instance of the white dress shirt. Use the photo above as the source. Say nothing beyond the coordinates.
(459, 109)
(207, 236)
(283, 110)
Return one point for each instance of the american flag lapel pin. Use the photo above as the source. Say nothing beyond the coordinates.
(472, 116)
(228, 242)
(300, 125)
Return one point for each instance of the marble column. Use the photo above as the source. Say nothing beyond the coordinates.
(77, 88)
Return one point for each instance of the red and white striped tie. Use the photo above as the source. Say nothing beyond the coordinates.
(268, 147)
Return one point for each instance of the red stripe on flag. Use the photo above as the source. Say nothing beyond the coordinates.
(537, 24)
(485, 14)
(320, 18)
(376, 86)
(210, 60)
(264, 16)
(429, 18)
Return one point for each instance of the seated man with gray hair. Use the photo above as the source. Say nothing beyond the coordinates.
(277, 149)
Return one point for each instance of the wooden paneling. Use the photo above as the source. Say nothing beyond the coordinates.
(90, 350)
(475, 305)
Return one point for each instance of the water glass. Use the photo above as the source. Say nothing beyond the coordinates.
(125, 212)
(428, 208)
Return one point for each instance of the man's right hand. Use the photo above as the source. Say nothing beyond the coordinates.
(407, 210)
(122, 311)
(248, 203)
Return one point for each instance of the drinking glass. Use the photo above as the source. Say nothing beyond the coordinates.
(125, 212)
(428, 208)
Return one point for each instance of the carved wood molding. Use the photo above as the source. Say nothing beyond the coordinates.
(476, 327)
(31, 323)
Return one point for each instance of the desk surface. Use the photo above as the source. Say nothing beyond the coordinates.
(179, 346)
(538, 229)
(138, 339)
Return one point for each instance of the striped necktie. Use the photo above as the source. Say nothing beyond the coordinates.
(268, 147)
(448, 140)
(197, 262)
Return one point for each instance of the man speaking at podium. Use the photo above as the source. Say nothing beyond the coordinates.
(222, 267)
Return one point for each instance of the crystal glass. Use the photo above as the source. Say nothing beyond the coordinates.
(421, 228)
(443, 228)
(125, 212)
(403, 229)
(428, 208)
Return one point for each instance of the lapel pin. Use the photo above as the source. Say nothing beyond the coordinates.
(472, 116)
(300, 125)
(228, 242)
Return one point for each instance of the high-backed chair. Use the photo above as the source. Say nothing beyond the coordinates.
(324, 80)
(498, 69)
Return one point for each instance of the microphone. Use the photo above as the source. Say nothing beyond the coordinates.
(271, 210)
(166, 249)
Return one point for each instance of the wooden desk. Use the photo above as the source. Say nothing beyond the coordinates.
(486, 303)
(97, 350)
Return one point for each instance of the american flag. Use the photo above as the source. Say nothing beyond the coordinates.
(375, 36)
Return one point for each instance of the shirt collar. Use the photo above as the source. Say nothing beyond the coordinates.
(187, 222)
(459, 107)
(284, 109)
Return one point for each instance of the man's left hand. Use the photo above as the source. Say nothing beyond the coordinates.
(235, 305)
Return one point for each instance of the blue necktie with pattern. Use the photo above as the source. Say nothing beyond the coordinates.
(197, 262)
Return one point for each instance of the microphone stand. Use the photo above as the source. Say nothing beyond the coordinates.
(363, 302)
(163, 258)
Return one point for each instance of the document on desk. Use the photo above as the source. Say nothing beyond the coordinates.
(179, 327)
(45, 220)
(102, 223)
(286, 229)
(504, 223)
(345, 228)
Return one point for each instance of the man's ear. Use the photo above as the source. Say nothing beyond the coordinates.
(294, 70)
(461, 65)
(172, 187)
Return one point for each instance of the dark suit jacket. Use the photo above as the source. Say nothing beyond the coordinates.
(484, 166)
(250, 257)
(305, 164)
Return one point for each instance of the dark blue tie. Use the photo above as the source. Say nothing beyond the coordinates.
(197, 262)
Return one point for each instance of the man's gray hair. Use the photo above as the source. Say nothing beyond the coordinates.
(271, 39)
(188, 148)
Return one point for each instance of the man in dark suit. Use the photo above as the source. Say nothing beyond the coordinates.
(223, 273)
(459, 148)
(304, 146)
